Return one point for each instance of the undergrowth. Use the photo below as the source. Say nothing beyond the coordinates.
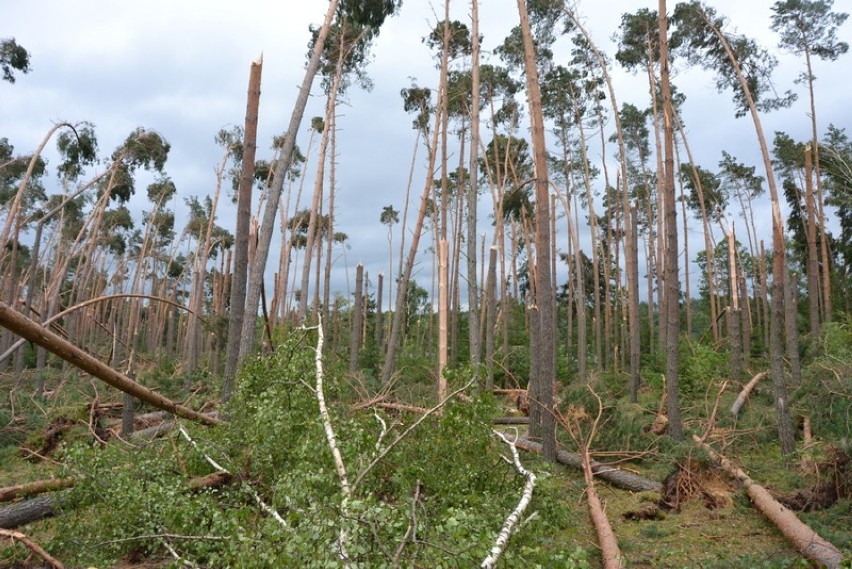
(438, 499)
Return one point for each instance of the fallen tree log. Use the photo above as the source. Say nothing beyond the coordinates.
(28, 511)
(610, 552)
(741, 398)
(806, 540)
(512, 421)
(29, 489)
(47, 505)
(52, 342)
(614, 476)
(150, 433)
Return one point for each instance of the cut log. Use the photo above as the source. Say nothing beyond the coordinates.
(614, 476)
(28, 511)
(741, 398)
(41, 336)
(806, 540)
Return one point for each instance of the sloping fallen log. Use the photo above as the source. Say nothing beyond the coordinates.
(610, 552)
(614, 476)
(741, 398)
(28, 511)
(806, 540)
(52, 342)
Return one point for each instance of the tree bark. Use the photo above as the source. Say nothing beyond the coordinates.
(442, 318)
(282, 165)
(813, 260)
(610, 552)
(735, 328)
(241, 238)
(491, 316)
(779, 264)
(355, 332)
(672, 281)
(28, 511)
(472, 194)
(30, 489)
(545, 354)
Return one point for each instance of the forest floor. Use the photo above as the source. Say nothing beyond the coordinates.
(713, 526)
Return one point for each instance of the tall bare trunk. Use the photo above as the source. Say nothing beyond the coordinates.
(491, 312)
(472, 194)
(394, 336)
(241, 238)
(813, 260)
(630, 234)
(672, 282)
(734, 314)
(357, 309)
(826, 266)
(442, 318)
(276, 186)
(545, 324)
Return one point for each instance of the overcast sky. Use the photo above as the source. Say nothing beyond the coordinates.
(181, 68)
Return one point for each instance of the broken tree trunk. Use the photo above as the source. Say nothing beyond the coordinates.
(614, 476)
(806, 540)
(741, 398)
(41, 336)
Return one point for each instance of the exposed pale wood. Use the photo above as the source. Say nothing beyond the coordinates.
(241, 239)
(806, 540)
(610, 552)
(741, 398)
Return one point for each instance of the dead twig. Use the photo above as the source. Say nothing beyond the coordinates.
(711, 424)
